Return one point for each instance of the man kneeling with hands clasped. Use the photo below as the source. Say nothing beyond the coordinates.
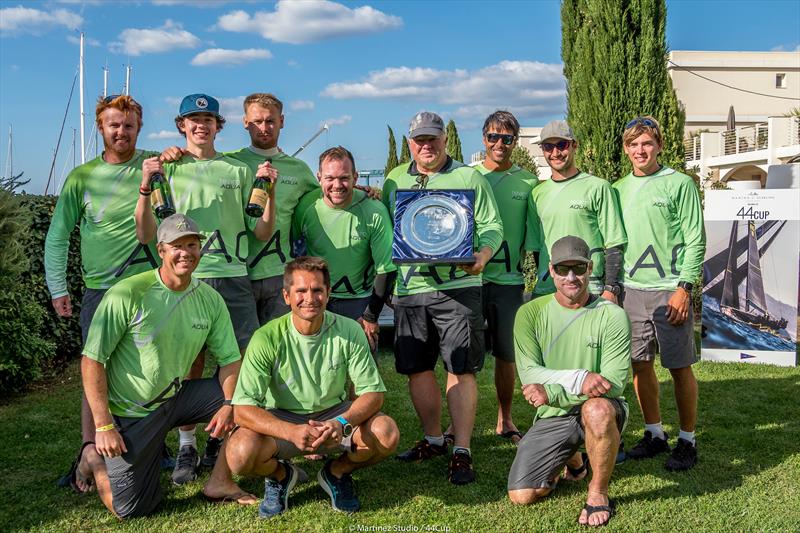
(291, 398)
(573, 358)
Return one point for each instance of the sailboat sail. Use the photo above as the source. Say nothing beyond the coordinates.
(755, 285)
(730, 290)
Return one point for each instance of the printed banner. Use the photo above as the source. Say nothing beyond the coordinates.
(750, 276)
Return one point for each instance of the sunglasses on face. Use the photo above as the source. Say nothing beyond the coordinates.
(505, 137)
(563, 270)
(562, 145)
(640, 120)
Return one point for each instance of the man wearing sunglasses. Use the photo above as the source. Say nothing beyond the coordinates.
(666, 244)
(438, 307)
(502, 278)
(573, 356)
(576, 203)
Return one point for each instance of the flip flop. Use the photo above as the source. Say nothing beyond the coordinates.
(577, 474)
(591, 509)
(509, 435)
(69, 480)
(230, 498)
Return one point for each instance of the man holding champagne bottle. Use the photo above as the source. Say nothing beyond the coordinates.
(214, 190)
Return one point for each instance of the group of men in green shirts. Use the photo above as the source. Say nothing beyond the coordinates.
(653, 251)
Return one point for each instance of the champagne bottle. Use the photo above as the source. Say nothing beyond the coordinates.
(160, 197)
(258, 196)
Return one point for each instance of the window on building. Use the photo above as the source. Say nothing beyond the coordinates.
(780, 81)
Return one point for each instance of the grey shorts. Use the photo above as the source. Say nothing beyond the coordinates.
(450, 322)
(651, 333)
(287, 450)
(548, 445)
(500, 305)
(268, 293)
(238, 295)
(349, 307)
(89, 302)
(134, 476)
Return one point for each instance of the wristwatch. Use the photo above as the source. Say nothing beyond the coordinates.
(614, 289)
(347, 429)
(685, 285)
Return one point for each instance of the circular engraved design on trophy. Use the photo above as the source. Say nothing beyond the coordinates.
(434, 225)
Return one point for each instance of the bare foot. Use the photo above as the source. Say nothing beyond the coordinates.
(597, 511)
(84, 476)
(509, 432)
(228, 493)
(576, 469)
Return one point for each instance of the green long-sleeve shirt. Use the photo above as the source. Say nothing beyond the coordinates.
(549, 336)
(664, 222)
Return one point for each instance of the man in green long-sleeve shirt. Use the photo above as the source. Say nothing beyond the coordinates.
(573, 357)
(663, 218)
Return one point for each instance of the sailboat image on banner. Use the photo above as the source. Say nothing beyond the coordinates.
(748, 302)
(753, 310)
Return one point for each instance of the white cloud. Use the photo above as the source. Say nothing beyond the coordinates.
(530, 87)
(170, 36)
(221, 56)
(309, 21)
(339, 121)
(192, 3)
(231, 108)
(165, 134)
(786, 48)
(87, 40)
(18, 20)
(292, 63)
(301, 105)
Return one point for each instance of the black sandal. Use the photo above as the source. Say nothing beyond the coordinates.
(581, 470)
(69, 480)
(591, 509)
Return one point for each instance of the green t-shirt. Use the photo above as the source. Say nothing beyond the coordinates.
(267, 259)
(356, 241)
(214, 193)
(421, 278)
(584, 206)
(549, 336)
(306, 373)
(664, 222)
(102, 197)
(147, 336)
(512, 192)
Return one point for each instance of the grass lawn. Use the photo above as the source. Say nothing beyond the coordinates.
(746, 480)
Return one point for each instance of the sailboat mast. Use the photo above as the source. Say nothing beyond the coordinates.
(83, 115)
(730, 289)
(756, 299)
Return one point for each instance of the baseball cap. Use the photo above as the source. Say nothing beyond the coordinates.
(568, 248)
(199, 103)
(426, 123)
(556, 129)
(176, 226)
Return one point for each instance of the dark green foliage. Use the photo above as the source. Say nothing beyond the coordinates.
(391, 160)
(615, 57)
(523, 159)
(405, 153)
(453, 142)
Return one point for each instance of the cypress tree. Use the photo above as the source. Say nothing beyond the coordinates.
(523, 159)
(405, 153)
(453, 142)
(615, 57)
(391, 160)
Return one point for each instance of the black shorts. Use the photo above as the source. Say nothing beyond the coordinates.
(268, 294)
(238, 295)
(349, 307)
(449, 322)
(89, 303)
(500, 305)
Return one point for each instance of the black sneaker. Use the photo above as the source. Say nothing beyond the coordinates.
(648, 447)
(621, 453)
(185, 465)
(422, 451)
(167, 461)
(343, 496)
(212, 451)
(460, 471)
(683, 456)
(276, 493)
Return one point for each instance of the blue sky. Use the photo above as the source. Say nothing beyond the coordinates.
(356, 65)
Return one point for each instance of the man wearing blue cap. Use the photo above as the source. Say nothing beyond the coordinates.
(212, 189)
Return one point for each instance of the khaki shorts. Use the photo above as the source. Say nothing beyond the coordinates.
(651, 333)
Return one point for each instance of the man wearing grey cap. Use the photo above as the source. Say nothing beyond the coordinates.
(214, 190)
(438, 307)
(573, 357)
(142, 342)
(573, 202)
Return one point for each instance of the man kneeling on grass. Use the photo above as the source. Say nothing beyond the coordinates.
(291, 398)
(573, 351)
(143, 340)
